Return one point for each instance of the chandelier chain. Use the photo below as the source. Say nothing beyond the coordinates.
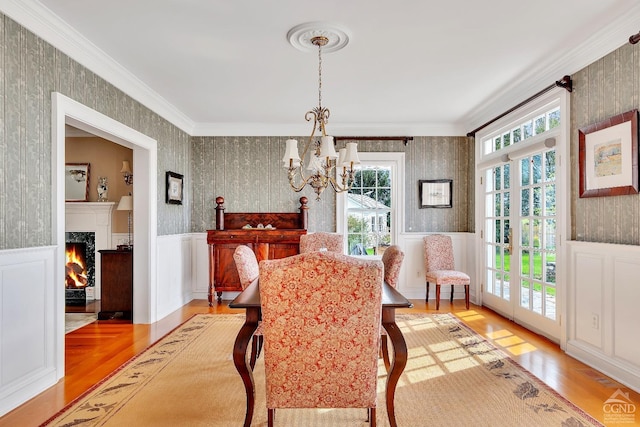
(320, 76)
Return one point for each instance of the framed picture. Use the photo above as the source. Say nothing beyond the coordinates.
(76, 182)
(174, 188)
(435, 193)
(608, 155)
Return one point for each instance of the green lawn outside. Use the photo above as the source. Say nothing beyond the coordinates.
(537, 266)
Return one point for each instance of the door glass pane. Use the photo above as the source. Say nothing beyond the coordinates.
(524, 293)
(550, 302)
(524, 209)
(525, 172)
(537, 265)
(550, 268)
(524, 233)
(537, 298)
(506, 203)
(537, 201)
(505, 288)
(524, 264)
(550, 234)
(550, 166)
(507, 176)
(537, 229)
(550, 199)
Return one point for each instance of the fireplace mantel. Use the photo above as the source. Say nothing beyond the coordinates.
(91, 217)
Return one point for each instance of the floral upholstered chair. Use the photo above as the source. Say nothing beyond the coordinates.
(246, 264)
(392, 260)
(439, 264)
(332, 242)
(321, 317)
(248, 271)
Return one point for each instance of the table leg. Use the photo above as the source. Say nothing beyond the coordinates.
(240, 359)
(399, 349)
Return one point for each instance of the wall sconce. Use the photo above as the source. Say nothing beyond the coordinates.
(126, 171)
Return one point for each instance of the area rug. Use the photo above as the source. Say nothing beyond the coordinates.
(73, 321)
(453, 377)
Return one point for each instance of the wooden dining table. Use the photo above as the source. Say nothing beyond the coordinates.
(249, 300)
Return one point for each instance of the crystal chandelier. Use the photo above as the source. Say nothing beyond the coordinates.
(320, 152)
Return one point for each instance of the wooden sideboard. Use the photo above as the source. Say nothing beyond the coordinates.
(281, 241)
(116, 272)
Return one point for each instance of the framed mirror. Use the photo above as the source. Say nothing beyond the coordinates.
(76, 182)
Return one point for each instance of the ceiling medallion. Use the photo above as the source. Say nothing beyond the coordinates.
(301, 36)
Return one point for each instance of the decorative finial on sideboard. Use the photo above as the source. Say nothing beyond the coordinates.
(220, 213)
(304, 211)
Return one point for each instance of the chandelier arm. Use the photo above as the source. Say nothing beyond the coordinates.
(303, 183)
(337, 187)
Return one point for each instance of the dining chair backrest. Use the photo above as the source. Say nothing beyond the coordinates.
(438, 252)
(392, 259)
(321, 241)
(321, 317)
(246, 264)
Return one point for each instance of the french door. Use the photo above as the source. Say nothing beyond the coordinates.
(521, 216)
(520, 240)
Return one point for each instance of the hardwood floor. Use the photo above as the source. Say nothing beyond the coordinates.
(96, 350)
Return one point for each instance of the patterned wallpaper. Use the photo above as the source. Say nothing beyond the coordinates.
(248, 173)
(30, 70)
(607, 87)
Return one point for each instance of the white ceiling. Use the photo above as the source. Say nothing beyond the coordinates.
(412, 67)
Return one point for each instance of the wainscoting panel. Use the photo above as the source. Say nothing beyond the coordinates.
(588, 298)
(200, 266)
(626, 296)
(602, 307)
(174, 273)
(28, 324)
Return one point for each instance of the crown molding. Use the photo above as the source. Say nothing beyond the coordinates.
(46, 25)
(599, 44)
(336, 129)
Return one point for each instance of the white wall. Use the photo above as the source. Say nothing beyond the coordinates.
(602, 303)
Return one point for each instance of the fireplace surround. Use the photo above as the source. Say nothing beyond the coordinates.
(95, 217)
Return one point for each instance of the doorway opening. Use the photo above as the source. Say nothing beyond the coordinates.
(66, 111)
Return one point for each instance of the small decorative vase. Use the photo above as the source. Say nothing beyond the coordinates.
(103, 189)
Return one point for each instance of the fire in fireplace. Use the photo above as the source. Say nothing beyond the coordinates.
(76, 265)
(80, 266)
(77, 279)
